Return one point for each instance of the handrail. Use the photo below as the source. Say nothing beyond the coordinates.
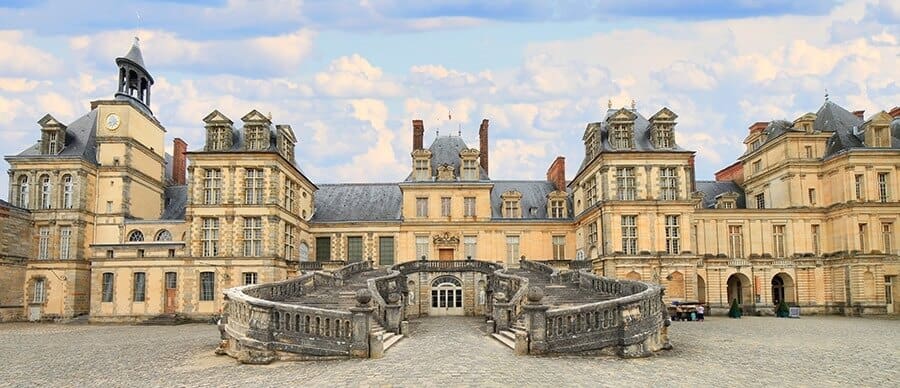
(408, 267)
(352, 268)
(380, 287)
(505, 313)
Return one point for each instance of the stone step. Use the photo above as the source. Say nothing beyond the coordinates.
(509, 334)
(391, 340)
(504, 340)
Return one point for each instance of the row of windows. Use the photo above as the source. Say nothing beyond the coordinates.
(446, 207)
(422, 169)
(622, 136)
(386, 251)
(355, 249)
(45, 192)
(630, 234)
(253, 243)
(138, 236)
(626, 185)
(254, 189)
(736, 239)
(858, 191)
(65, 242)
(139, 285)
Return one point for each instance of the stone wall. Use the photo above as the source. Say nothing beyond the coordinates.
(15, 249)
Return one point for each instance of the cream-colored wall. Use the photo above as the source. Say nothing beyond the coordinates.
(457, 193)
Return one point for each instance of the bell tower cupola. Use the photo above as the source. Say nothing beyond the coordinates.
(134, 79)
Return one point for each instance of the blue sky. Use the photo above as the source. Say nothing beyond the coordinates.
(350, 75)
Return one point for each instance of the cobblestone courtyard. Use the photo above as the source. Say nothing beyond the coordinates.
(831, 351)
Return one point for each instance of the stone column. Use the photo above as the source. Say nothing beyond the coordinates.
(535, 320)
(362, 315)
(393, 314)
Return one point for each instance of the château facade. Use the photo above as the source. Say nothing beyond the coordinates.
(101, 221)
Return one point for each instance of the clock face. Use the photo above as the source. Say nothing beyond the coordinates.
(112, 121)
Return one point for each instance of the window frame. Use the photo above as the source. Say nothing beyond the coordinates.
(207, 286)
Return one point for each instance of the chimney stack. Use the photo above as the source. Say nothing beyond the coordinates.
(895, 112)
(557, 173)
(859, 113)
(758, 126)
(483, 144)
(418, 134)
(178, 162)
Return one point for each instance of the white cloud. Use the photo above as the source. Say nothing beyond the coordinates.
(353, 76)
(20, 59)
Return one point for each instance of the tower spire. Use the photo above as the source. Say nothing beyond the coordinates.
(134, 79)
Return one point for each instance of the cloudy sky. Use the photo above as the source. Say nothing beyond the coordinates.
(350, 75)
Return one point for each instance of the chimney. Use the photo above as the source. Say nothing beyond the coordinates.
(483, 144)
(178, 161)
(557, 173)
(895, 112)
(758, 126)
(418, 134)
(859, 113)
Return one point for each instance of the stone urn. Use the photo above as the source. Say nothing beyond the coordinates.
(363, 297)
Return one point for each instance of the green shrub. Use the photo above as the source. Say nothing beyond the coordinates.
(782, 311)
(735, 310)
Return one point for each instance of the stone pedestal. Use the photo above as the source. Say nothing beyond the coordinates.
(362, 316)
(392, 318)
(536, 320)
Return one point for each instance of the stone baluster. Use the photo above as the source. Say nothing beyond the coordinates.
(362, 315)
(535, 322)
(393, 313)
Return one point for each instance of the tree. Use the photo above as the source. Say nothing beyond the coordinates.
(782, 311)
(735, 310)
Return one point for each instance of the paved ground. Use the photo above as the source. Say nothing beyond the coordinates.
(755, 351)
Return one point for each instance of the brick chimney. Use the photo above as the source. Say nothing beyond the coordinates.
(758, 126)
(178, 161)
(556, 174)
(895, 112)
(859, 113)
(483, 144)
(418, 134)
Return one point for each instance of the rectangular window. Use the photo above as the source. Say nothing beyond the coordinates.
(290, 192)
(590, 192)
(629, 235)
(512, 249)
(253, 186)
(470, 170)
(673, 235)
(354, 249)
(171, 280)
(736, 241)
(761, 201)
(210, 237)
(592, 233)
(422, 207)
(626, 183)
(469, 203)
(38, 296)
(257, 138)
(809, 152)
(68, 189)
(859, 187)
(108, 278)
(140, 286)
(212, 187)
(140, 253)
(386, 250)
(445, 207)
(887, 237)
(621, 137)
(471, 246)
(559, 247)
(207, 286)
(289, 248)
(511, 209)
(663, 137)
(46, 187)
(863, 237)
(422, 170)
(109, 253)
(558, 208)
(171, 253)
(757, 166)
(251, 278)
(778, 240)
(421, 247)
(883, 192)
(668, 182)
(253, 237)
(815, 239)
(323, 248)
(44, 243)
(65, 240)
(812, 197)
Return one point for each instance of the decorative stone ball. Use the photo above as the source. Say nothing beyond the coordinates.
(363, 296)
(500, 297)
(393, 298)
(534, 294)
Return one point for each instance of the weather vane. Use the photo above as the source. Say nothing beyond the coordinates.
(826, 94)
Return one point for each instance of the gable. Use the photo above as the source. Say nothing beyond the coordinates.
(623, 115)
(254, 115)
(664, 114)
(216, 117)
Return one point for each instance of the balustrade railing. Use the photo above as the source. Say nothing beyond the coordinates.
(310, 266)
(507, 310)
(352, 268)
(447, 266)
(383, 289)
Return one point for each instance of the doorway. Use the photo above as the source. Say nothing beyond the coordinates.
(446, 296)
(739, 288)
(171, 291)
(445, 254)
(889, 283)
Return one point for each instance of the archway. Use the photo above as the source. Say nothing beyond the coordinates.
(446, 296)
(701, 289)
(633, 276)
(675, 286)
(739, 288)
(782, 288)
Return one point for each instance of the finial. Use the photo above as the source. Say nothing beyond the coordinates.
(437, 133)
(449, 116)
(139, 20)
(826, 94)
(269, 116)
(633, 104)
(609, 103)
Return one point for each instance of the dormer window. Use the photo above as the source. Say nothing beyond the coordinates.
(726, 200)
(286, 141)
(511, 204)
(218, 131)
(421, 165)
(257, 138)
(53, 135)
(621, 126)
(591, 140)
(621, 137)
(469, 159)
(556, 205)
(663, 125)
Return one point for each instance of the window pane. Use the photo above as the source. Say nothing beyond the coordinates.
(354, 249)
(386, 250)
(323, 248)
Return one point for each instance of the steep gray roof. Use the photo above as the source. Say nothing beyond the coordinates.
(80, 141)
(358, 202)
(844, 125)
(237, 145)
(445, 150)
(712, 189)
(534, 198)
(176, 201)
(135, 55)
(642, 141)
(895, 133)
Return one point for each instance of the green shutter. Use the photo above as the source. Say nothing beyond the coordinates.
(354, 249)
(323, 248)
(386, 250)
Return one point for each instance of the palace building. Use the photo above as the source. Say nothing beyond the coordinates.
(102, 222)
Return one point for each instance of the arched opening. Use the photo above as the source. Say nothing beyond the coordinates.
(23, 191)
(121, 79)
(739, 288)
(446, 296)
(135, 236)
(633, 276)
(163, 235)
(701, 289)
(132, 83)
(304, 251)
(782, 288)
(675, 285)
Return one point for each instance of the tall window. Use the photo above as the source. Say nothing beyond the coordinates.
(323, 248)
(859, 187)
(757, 166)
(220, 137)
(210, 237)
(883, 192)
(590, 191)
(108, 278)
(354, 249)
(470, 170)
(23, 192)
(422, 207)
(421, 247)
(250, 278)
(304, 251)
(673, 235)
(289, 247)
(629, 235)
(778, 240)
(44, 243)
(422, 170)
(53, 143)
(761, 201)
(257, 138)
(65, 240)
(253, 236)
(386, 250)
(471, 246)
(253, 186)
(817, 249)
(511, 209)
(469, 205)
(626, 183)
(45, 192)
(290, 192)
(809, 152)
(736, 241)
(812, 197)
(207, 286)
(38, 296)
(512, 249)
(445, 207)
(557, 208)
(68, 187)
(663, 137)
(887, 237)
(140, 286)
(668, 184)
(621, 137)
(212, 187)
(559, 247)
(863, 232)
(592, 233)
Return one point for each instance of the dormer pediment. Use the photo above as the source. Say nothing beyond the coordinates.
(880, 119)
(286, 132)
(469, 153)
(216, 117)
(421, 153)
(255, 116)
(49, 122)
(511, 194)
(623, 115)
(809, 116)
(664, 114)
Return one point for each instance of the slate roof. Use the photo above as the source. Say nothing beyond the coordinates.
(534, 198)
(357, 202)
(176, 201)
(80, 141)
(237, 145)
(445, 150)
(712, 189)
(844, 125)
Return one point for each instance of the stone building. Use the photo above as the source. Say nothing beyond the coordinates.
(101, 221)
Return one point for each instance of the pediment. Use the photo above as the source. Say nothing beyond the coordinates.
(809, 116)
(49, 121)
(664, 114)
(255, 116)
(881, 119)
(623, 115)
(287, 132)
(216, 117)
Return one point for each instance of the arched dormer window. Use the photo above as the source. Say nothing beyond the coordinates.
(68, 190)
(163, 235)
(23, 191)
(135, 236)
(46, 191)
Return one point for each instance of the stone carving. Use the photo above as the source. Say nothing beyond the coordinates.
(363, 297)
(446, 173)
(446, 239)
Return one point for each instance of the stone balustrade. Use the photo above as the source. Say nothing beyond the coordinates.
(509, 294)
(388, 299)
(447, 266)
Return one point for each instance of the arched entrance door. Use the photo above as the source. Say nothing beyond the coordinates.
(446, 296)
(701, 289)
(739, 288)
(782, 288)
